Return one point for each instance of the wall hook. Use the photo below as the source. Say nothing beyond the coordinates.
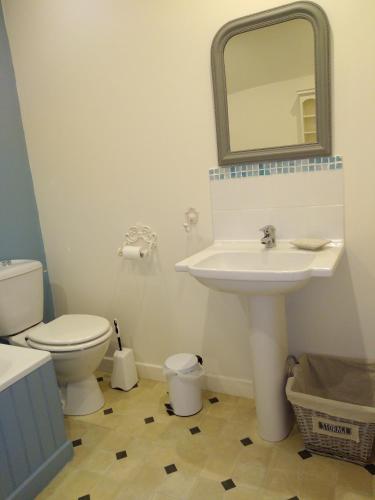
(191, 219)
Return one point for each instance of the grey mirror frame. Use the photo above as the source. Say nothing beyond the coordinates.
(298, 10)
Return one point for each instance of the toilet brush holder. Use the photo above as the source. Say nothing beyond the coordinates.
(124, 375)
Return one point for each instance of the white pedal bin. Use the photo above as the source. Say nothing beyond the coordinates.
(184, 375)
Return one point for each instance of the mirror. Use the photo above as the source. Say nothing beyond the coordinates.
(271, 85)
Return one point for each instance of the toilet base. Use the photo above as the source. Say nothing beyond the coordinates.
(83, 397)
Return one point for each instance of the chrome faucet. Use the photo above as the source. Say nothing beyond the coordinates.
(269, 237)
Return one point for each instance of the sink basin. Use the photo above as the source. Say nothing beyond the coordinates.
(248, 267)
(265, 276)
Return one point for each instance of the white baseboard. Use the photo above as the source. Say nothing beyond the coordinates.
(212, 382)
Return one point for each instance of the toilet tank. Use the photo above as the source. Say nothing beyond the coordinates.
(21, 295)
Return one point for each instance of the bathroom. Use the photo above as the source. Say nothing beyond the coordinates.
(108, 120)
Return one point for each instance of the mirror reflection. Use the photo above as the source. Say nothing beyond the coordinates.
(270, 83)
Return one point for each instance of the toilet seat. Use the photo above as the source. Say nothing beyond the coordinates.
(70, 332)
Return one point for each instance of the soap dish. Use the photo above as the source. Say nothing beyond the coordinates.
(310, 243)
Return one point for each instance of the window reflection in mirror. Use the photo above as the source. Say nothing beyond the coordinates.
(270, 82)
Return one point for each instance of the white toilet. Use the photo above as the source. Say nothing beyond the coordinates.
(77, 342)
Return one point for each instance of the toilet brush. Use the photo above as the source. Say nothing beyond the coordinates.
(124, 374)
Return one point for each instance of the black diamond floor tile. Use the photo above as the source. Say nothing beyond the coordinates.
(77, 442)
(99, 379)
(121, 454)
(195, 430)
(293, 498)
(304, 454)
(170, 468)
(228, 484)
(246, 441)
(168, 406)
(170, 412)
(107, 411)
(149, 420)
(85, 497)
(213, 400)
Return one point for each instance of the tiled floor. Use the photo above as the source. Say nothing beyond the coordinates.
(133, 450)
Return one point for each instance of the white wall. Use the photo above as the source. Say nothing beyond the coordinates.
(117, 107)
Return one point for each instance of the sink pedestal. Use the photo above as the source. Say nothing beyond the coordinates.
(269, 351)
(264, 276)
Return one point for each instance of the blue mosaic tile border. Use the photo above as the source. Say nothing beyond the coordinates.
(316, 164)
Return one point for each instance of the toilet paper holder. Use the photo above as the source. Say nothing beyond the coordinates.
(143, 234)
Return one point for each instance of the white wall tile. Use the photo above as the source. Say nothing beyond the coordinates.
(240, 224)
(299, 205)
(285, 190)
(291, 222)
(326, 221)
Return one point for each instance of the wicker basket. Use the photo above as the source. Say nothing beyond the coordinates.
(331, 433)
(331, 446)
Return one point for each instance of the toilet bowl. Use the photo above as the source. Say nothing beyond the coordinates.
(77, 342)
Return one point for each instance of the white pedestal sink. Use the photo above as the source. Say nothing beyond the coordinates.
(265, 276)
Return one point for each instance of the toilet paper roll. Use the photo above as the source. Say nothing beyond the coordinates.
(133, 253)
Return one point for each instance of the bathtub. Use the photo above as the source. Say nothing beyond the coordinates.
(33, 443)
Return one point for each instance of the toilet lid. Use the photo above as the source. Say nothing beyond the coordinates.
(70, 329)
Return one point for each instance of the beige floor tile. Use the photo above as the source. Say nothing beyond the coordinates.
(255, 454)
(206, 489)
(144, 482)
(341, 493)
(222, 456)
(315, 488)
(134, 492)
(224, 410)
(242, 493)
(236, 430)
(99, 419)
(80, 455)
(206, 395)
(77, 484)
(285, 483)
(178, 484)
(352, 478)
(293, 442)
(244, 412)
(191, 451)
(261, 471)
(121, 471)
(163, 496)
(154, 430)
(212, 425)
(75, 428)
(326, 469)
(139, 448)
(105, 489)
(94, 435)
(285, 460)
(115, 441)
(252, 475)
(98, 461)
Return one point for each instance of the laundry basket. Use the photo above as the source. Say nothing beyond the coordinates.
(334, 402)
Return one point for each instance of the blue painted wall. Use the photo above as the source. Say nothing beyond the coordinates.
(20, 233)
